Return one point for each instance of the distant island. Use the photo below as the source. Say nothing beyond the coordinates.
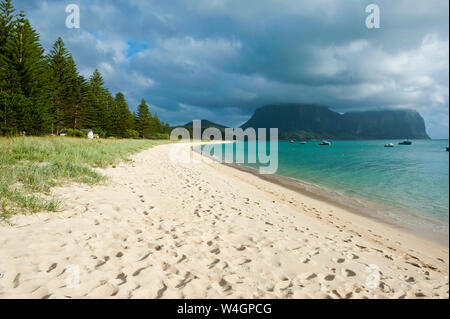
(305, 122)
(205, 124)
(312, 122)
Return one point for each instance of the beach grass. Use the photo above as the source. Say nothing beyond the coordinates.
(31, 166)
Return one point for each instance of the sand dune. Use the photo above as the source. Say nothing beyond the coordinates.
(158, 229)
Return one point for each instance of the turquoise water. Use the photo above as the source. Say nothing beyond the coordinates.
(406, 178)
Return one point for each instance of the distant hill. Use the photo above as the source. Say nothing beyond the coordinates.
(305, 121)
(206, 124)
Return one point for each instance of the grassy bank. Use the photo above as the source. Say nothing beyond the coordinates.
(31, 166)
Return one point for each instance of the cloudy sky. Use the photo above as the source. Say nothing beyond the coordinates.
(221, 59)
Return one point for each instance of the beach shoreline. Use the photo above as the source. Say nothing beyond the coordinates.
(426, 228)
(161, 229)
(355, 206)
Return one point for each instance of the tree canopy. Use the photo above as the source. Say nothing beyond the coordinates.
(44, 93)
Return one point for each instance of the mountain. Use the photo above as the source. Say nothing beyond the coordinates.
(306, 121)
(206, 124)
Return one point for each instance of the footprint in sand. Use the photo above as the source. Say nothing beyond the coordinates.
(329, 277)
(16, 281)
(339, 260)
(215, 251)
(308, 276)
(348, 273)
(101, 263)
(213, 263)
(53, 266)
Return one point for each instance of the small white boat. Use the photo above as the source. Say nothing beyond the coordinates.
(291, 141)
(389, 145)
(325, 143)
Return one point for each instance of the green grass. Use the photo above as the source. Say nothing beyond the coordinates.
(31, 166)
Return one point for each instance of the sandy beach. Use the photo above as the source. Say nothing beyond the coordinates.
(159, 229)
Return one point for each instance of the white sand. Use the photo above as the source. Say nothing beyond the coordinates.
(164, 230)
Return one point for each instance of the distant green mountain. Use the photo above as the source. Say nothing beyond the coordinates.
(305, 121)
(206, 124)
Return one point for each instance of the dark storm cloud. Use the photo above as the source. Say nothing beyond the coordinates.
(220, 59)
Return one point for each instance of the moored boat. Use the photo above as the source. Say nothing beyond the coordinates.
(405, 142)
(325, 143)
(389, 145)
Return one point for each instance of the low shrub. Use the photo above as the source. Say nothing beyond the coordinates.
(74, 133)
(159, 136)
(131, 134)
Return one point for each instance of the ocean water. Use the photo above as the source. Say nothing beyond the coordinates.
(413, 180)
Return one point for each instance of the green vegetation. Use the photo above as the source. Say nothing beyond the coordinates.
(31, 166)
(73, 133)
(205, 124)
(43, 94)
